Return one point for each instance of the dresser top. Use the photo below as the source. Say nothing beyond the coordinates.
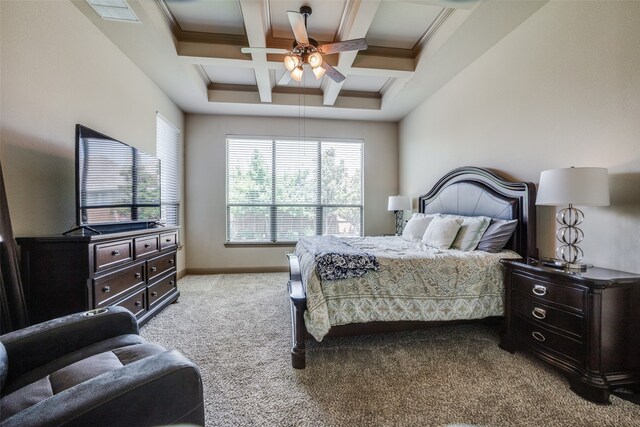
(91, 238)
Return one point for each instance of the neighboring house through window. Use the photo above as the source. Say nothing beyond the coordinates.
(279, 189)
(168, 151)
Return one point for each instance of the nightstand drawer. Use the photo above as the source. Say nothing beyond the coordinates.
(537, 312)
(549, 292)
(542, 339)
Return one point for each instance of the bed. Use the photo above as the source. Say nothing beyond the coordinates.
(408, 273)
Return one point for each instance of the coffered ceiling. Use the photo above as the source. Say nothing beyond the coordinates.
(191, 49)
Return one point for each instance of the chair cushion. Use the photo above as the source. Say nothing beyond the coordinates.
(74, 374)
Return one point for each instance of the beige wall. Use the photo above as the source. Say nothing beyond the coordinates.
(205, 182)
(562, 89)
(58, 69)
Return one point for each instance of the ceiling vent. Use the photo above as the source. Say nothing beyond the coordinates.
(115, 10)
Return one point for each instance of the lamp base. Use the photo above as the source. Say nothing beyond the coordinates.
(563, 265)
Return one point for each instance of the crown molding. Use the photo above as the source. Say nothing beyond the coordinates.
(433, 28)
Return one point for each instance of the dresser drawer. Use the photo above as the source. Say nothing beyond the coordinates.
(542, 339)
(160, 265)
(146, 245)
(535, 311)
(168, 240)
(549, 292)
(161, 288)
(108, 287)
(108, 255)
(135, 303)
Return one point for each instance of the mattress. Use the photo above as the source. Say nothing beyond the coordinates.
(414, 283)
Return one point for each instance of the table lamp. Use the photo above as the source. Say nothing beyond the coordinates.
(572, 186)
(398, 204)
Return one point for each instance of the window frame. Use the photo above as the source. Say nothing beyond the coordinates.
(273, 206)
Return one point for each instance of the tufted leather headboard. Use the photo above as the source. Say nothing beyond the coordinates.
(473, 191)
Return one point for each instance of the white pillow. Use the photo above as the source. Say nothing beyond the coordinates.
(416, 226)
(471, 231)
(441, 232)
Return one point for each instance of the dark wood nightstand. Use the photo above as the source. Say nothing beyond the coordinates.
(587, 324)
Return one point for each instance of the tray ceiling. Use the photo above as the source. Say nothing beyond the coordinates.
(191, 49)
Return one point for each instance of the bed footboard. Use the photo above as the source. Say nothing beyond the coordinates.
(298, 306)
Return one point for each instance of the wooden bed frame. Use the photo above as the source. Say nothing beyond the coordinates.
(468, 191)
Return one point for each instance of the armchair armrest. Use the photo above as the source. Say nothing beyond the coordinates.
(37, 345)
(157, 390)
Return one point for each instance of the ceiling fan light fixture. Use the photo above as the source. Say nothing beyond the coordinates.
(296, 74)
(315, 60)
(291, 62)
(319, 72)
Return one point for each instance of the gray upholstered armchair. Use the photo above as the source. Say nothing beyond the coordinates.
(94, 369)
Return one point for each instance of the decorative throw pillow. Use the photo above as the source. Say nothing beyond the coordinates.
(497, 235)
(441, 232)
(416, 226)
(471, 231)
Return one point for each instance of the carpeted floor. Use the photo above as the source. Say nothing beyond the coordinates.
(236, 328)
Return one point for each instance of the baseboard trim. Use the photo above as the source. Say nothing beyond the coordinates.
(236, 270)
(182, 273)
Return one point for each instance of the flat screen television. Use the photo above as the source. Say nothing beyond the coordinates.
(116, 184)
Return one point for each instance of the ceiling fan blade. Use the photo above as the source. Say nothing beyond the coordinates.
(335, 75)
(355, 44)
(296, 19)
(264, 50)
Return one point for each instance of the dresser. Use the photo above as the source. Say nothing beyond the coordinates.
(587, 324)
(68, 274)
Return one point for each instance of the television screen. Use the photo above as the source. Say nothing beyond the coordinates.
(115, 183)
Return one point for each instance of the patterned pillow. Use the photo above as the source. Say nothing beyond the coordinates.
(441, 232)
(471, 231)
(497, 235)
(416, 226)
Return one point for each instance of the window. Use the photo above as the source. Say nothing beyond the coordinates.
(168, 151)
(281, 189)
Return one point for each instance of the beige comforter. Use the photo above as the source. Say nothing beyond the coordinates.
(415, 282)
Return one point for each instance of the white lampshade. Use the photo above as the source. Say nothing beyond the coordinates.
(399, 203)
(315, 59)
(318, 72)
(577, 186)
(296, 74)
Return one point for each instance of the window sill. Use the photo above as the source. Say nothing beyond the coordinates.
(258, 244)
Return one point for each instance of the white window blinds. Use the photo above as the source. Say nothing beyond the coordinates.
(281, 189)
(168, 151)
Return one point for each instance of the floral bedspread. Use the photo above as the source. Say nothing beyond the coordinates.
(415, 282)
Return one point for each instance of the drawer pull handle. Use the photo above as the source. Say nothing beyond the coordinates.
(154, 268)
(539, 290)
(138, 275)
(539, 313)
(171, 261)
(153, 294)
(168, 240)
(538, 336)
(147, 245)
(138, 303)
(106, 289)
(115, 253)
(171, 282)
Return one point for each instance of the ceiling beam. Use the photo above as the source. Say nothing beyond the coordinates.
(230, 56)
(355, 23)
(312, 98)
(256, 15)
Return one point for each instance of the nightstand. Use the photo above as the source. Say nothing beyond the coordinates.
(587, 324)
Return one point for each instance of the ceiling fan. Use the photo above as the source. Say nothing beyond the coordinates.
(305, 50)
